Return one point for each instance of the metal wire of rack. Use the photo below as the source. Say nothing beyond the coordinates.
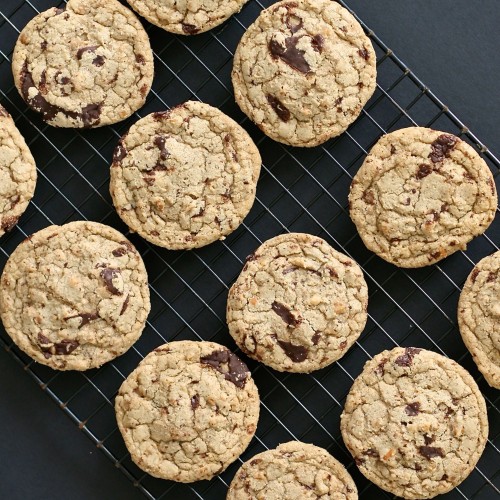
(299, 190)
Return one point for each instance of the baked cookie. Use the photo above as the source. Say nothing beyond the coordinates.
(75, 296)
(298, 305)
(479, 317)
(187, 411)
(421, 195)
(185, 177)
(86, 65)
(17, 173)
(303, 71)
(415, 422)
(292, 471)
(187, 18)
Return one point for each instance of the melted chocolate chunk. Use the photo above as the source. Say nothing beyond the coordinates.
(9, 222)
(107, 274)
(140, 59)
(380, 368)
(85, 317)
(317, 43)
(190, 29)
(294, 23)
(90, 114)
(280, 109)
(90, 48)
(285, 314)
(290, 54)
(316, 338)
(429, 452)
(159, 142)
(441, 147)
(43, 339)
(125, 305)
(119, 252)
(364, 54)
(296, 353)
(120, 152)
(160, 115)
(393, 149)
(227, 363)
(406, 359)
(412, 409)
(98, 61)
(195, 401)
(423, 171)
(64, 347)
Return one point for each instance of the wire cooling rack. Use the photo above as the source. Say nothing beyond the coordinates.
(299, 190)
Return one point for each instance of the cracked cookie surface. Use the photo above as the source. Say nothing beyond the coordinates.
(75, 296)
(298, 304)
(479, 317)
(187, 411)
(186, 177)
(17, 173)
(303, 71)
(87, 65)
(187, 17)
(415, 422)
(420, 196)
(292, 471)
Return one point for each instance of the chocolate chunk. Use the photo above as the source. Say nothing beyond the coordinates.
(412, 409)
(159, 142)
(107, 274)
(125, 305)
(290, 54)
(317, 43)
(227, 363)
(9, 222)
(195, 401)
(342, 345)
(371, 452)
(406, 359)
(98, 61)
(64, 347)
(120, 152)
(359, 460)
(429, 439)
(90, 114)
(43, 339)
(441, 147)
(289, 270)
(190, 29)
(256, 461)
(369, 197)
(380, 368)
(449, 412)
(250, 257)
(160, 115)
(285, 314)
(430, 452)
(294, 23)
(43, 45)
(200, 213)
(435, 255)
(423, 171)
(393, 149)
(43, 82)
(85, 317)
(316, 338)
(418, 467)
(444, 477)
(491, 277)
(279, 108)
(14, 200)
(140, 59)
(119, 252)
(296, 353)
(364, 54)
(90, 48)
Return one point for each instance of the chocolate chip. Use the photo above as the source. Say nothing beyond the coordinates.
(369, 197)
(125, 305)
(406, 359)
(316, 338)
(90, 48)
(140, 59)
(317, 43)
(43, 45)
(9, 222)
(423, 171)
(449, 412)
(412, 409)
(380, 368)
(441, 147)
(256, 461)
(296, 353)
(119, 252)
(160, 115)
(280, 109)
(64, 347)
(342, 345)
(393, 149)
(430, 452)
(285, 314)
(43, 339)
(491, 277)
(98, 61)
(418, 467)
(85, 317)
(90, 114)
(333, 273)
(227, 363)
(444, 477)
(290, 54)
(195, 401)
(364, 54)
(108, 274)
(190, 29)
(371, 452)
(429, 439)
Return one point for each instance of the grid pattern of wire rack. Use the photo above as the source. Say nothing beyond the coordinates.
(301, 190)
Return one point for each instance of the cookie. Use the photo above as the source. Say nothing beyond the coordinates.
(187, 18)
(17, 173)
(415, 422)
(303, 71)
(292, 471)
(479, 317)
(298, 305)
(187, 411)
(75, 296)
(421, 195)
(88, 64)
(185, 177)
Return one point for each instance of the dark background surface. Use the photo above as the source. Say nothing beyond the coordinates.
(452, 46)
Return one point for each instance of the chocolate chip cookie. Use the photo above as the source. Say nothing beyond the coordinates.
(415, 422)
(298, 305)
(187, 18)
(75, 296)
(187, 411)
(86, 65)
(185, 177)
(303, 71)
(479, 317)
(17, 173)
(421, 195)
(292, 471)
